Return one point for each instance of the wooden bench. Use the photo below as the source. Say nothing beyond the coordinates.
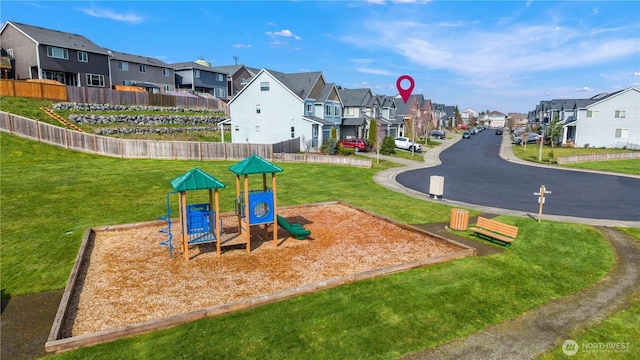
(495, 230)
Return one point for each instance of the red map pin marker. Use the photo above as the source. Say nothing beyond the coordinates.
(405, 93)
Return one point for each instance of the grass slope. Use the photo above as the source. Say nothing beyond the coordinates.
(50, 196)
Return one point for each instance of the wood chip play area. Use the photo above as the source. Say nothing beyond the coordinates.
(130, 279)
(135, 278)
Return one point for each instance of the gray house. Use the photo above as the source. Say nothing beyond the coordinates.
(239, 76)
(198, 76)
(153, 75)
(386, 118)
(40, 53)
(360, 106)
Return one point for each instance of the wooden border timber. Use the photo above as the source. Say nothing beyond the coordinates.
(57, 344)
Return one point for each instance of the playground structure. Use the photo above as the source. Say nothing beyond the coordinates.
(259, 206)
(201, 223)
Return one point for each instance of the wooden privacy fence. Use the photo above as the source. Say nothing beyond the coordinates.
(598, 157)
(59, 92)
(33, 89)
(151, 149)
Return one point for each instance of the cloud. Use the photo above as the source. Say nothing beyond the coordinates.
(637, 73)
(586, 88)
(367, 70)
(488, 56)
(242, 46)
(108, 14)
(283, 33)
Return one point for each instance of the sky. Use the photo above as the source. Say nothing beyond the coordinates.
(502, 56)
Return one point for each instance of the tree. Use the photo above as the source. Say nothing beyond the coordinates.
(334, 135)
(374, 139)
(388, 146)
(554, 130)
(373, 133)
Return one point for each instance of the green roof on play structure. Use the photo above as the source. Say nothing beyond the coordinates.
(195, 179)
(254, 164)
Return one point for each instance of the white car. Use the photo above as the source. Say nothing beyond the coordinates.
(407, 144)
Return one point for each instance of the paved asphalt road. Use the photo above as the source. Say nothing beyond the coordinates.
(474, 173)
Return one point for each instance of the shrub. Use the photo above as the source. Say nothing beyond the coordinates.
(329, 147)
(345, 150)
(388, 146)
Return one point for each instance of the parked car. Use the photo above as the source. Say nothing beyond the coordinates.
(406, 144)
(499, 131)
(438, 134)
(532, 138)
(356, 144)
(466, 135)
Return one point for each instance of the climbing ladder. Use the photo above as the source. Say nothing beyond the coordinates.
(167, 230)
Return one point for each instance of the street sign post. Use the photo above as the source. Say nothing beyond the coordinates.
(541, 200)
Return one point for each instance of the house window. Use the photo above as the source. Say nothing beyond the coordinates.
(196, 73)
(83, 56)
(621, 114)
(309, 108)
(143, 68)
(336, 110)
(220, 77)
(237, 128)
(128, 82)
(257, 108)
(165, 72)
(122, 65)
(327, 110)
(349, 111)
(10, 53)
(59, 77)
(314, 131)
(95, 80)
(622, 133)
(221, 93)
(593, 114)
(264, 86)
(166, 87)
(293, 132)
(58, 53)
(258, 128)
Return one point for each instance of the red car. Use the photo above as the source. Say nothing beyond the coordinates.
(356, 144)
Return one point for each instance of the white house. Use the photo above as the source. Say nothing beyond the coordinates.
(495, 119)
(275, 107)
(611, 122)
(467, 114)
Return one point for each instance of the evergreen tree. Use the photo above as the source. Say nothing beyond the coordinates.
(373, 134)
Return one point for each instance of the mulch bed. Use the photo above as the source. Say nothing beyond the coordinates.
(131, 279)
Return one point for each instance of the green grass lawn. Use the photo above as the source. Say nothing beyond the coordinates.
(621, 328)
(51, 196)
(549, 156)
(386, 317)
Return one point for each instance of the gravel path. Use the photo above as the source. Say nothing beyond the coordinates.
(531, 334)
